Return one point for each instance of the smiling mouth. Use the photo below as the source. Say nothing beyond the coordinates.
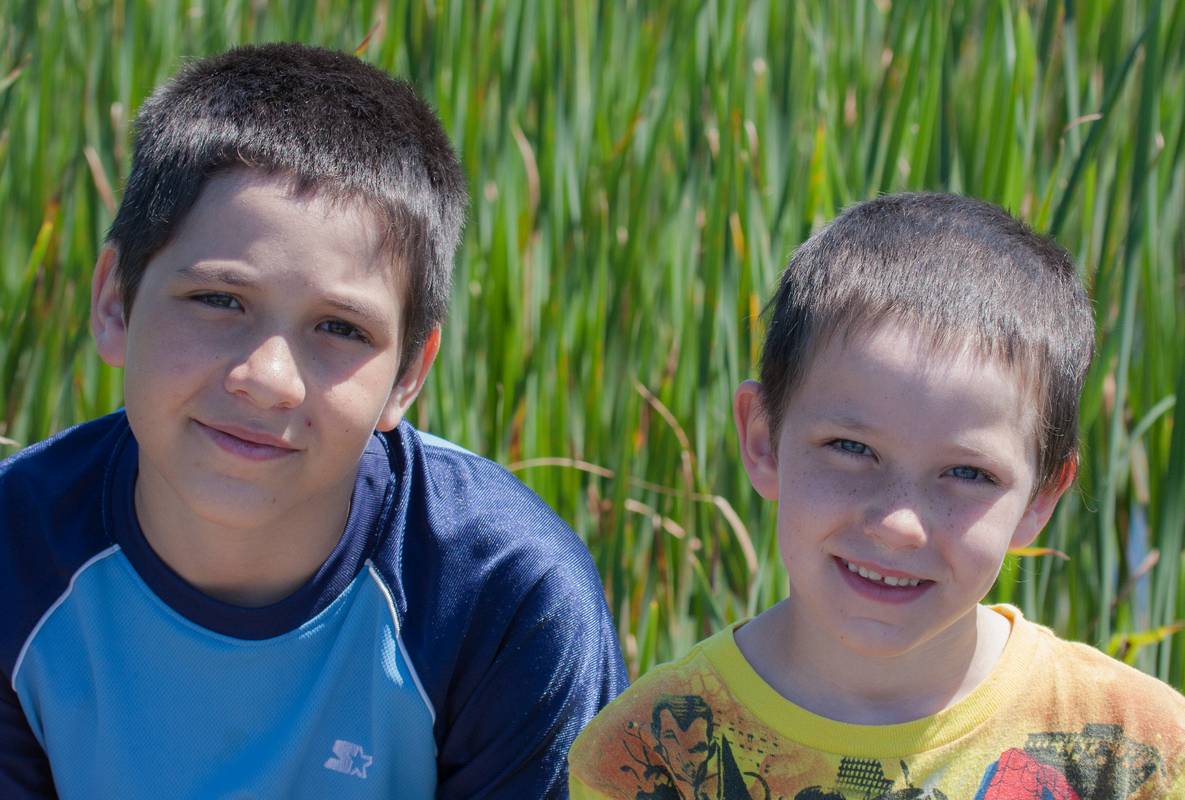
(250, 444)
(883, 580)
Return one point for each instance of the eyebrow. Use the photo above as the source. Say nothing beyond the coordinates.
(207, 273)
(366, 313)
(845, 421)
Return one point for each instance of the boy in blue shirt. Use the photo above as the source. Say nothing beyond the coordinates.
(257, 580)
(916, 418)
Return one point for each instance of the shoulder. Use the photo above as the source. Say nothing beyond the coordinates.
(628, 731)
(1100, 698)
(480, 518)
(66, 463)
(52, 520)
(1098, 679)
(502, 613)
(474, 487)
(460, 522)
(478, 563)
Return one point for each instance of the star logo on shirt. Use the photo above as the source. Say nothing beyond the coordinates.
(349, 759)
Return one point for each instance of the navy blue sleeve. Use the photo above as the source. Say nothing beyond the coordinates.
(557, 664)
(53, 486)
(24, 767)
(504, 617)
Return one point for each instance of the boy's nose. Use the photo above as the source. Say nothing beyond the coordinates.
(268, 375)
(900, 527)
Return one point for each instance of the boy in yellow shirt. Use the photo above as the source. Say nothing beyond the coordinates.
(916, 418)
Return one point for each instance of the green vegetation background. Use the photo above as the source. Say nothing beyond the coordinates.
(640, 172)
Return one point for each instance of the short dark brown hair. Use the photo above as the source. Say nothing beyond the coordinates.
(333, 124)
(960, 272)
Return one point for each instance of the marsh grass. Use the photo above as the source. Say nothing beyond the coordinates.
(640, 172)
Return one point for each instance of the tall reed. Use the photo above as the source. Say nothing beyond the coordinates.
(640, 173)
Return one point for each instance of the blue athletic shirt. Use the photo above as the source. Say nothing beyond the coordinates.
(452, 645)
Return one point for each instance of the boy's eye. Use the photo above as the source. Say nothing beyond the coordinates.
(218, 300)
(339, 328)
(971, 474)
(851, 446)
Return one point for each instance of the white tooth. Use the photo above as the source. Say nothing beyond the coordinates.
(913, 581)
(890, 580)
(863, 572)
(852, 567)
(873, 576)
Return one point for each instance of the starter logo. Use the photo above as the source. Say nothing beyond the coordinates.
(349, 758)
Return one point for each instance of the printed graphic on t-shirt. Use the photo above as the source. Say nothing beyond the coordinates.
(1098, 761)
(688, 751)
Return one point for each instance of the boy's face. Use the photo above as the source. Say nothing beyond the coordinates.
(902, 477)
(261, 353)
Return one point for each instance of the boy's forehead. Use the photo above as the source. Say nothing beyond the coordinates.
(245, 186)
(898, 354)
(248, 206)
(248, 226)
(926, 351)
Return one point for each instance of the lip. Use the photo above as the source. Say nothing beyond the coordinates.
(244, 442)
(880, 592)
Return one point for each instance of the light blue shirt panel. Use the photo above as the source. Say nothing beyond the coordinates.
(131, 700)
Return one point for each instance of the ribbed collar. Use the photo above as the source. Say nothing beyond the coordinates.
(876, 741)
(374, 490)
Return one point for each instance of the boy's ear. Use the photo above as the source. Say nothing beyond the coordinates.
(1042, 506)
(108, 321)
(758, 451)
(409, 384)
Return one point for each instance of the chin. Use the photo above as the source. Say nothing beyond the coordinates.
(234, 504)
(874, 639)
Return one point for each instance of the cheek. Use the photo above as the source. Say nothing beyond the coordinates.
(358, 402)
(166, 349)
(152, 372)
(816, 503)
(818, 490)
(980, 541)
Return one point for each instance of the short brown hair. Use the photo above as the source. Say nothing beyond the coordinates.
(959, 271)
(334, 124)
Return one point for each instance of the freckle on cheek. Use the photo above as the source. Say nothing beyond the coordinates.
(308, 423)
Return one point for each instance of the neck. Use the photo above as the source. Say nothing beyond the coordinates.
(245, 566)
(813, 670)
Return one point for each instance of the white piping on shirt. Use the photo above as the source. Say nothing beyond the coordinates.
(20, 659)
(431, 440)
(374, 574)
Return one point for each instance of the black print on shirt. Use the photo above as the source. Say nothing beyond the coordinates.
(682, 756)
(685, 753)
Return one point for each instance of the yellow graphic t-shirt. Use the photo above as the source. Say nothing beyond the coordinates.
(1054, 720)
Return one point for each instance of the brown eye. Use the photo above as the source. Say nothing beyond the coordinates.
(344, 329)
(218, 300)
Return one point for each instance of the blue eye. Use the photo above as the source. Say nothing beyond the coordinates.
(973, 474)
(344, 329)
(851, 446)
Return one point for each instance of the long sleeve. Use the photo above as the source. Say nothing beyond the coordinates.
(24, 768)
(558, 664)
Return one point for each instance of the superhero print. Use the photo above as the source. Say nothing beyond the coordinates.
(1099, 763)
(681, 756)
(689, 749)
